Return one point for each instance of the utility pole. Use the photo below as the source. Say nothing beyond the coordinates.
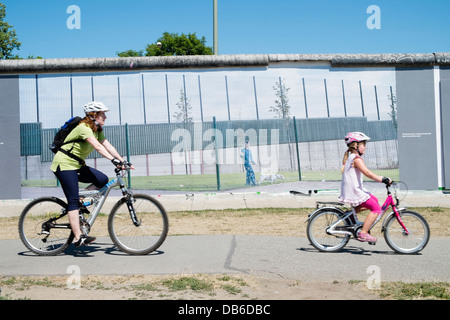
(216, 33)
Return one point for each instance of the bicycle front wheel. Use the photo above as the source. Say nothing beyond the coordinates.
(44, 226)
(144, 235)
(317, 231)
(411, 241)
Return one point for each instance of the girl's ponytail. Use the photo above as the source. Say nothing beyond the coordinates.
(344, 160)
(346, 154)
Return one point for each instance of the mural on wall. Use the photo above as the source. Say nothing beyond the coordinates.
(309, 90)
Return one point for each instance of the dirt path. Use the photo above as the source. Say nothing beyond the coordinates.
(185, 287)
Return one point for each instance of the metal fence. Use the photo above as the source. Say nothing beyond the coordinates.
(206, 156)
(226, 94)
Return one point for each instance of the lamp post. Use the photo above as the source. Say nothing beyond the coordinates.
(216, 33)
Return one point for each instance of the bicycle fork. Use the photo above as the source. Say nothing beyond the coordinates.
(130, 200)
(396, 212)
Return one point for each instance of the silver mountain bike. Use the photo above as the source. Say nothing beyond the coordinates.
(137, 224)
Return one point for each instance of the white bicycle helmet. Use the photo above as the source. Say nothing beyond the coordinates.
(95, 106)
(355, 136)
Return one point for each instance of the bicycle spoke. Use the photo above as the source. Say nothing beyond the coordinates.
(412, 241)
(38, 233)
(142, 239)
(317, 231)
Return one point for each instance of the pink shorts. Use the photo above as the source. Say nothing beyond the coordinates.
(371, 204)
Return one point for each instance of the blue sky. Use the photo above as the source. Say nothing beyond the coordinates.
(245, 26)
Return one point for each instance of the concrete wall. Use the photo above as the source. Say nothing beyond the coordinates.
(423, 86)
(445, 124)
(10, 177)
(417, 128)
(423, 96)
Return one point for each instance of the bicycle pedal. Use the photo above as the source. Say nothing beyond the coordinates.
(372, 243)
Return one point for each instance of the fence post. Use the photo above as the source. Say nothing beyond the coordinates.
(362, 99)
(217, 154)
(256, 98)
(58, 184)
(298, 152)
(127, 143)
(343, 98)
(376, 100)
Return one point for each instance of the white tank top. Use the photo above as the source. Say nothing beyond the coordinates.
(352, 189)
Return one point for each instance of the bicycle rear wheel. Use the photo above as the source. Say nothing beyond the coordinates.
(407, 243)
(148, 235)
(44, 226)
(317, 231)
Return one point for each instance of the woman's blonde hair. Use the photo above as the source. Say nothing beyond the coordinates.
(91, 123)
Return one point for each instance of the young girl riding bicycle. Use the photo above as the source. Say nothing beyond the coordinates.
(352, 189)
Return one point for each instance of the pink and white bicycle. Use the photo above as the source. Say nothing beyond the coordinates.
(331, 225)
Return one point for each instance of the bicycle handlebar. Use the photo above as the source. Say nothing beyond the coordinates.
(387, 181)
(125, 166)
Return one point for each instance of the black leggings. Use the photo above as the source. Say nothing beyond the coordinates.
(69, 182)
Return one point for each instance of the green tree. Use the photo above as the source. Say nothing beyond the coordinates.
(172, 44)
(282, 109)
(393, 112)
(183, 115)
(184, 109)
(130, 53)
(8, 37)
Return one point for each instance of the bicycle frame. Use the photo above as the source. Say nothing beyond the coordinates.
(389, 202)
(101, 195)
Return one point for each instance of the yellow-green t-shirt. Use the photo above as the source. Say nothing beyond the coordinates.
(80, 149)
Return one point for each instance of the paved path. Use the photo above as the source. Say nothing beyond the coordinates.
(285, 257)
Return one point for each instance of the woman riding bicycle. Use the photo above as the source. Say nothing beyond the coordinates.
(352, 189)
(86, 137)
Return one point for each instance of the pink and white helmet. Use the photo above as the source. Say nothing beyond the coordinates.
(355, 136)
